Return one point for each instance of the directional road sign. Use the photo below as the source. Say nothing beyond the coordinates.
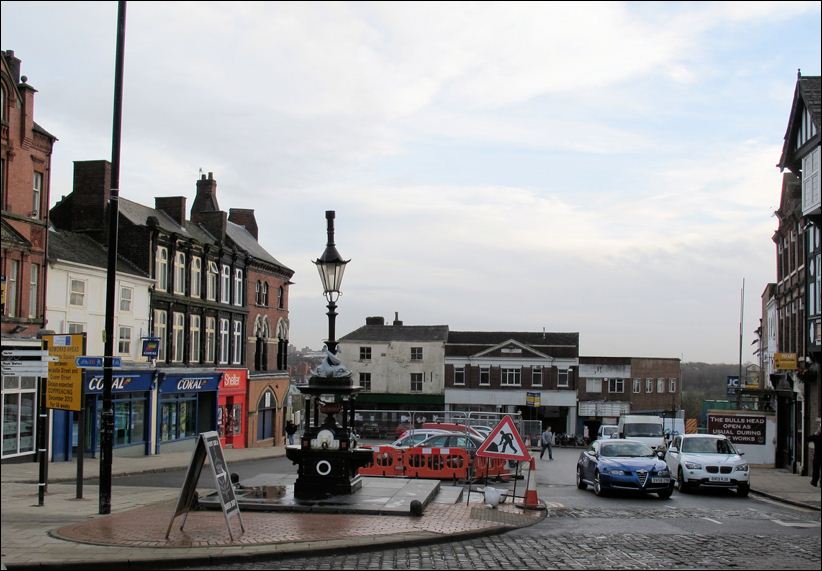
(97, 362)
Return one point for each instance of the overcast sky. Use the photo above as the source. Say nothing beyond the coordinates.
(607, 169)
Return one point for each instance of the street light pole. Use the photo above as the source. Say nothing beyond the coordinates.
(107, 417)
(331, 267)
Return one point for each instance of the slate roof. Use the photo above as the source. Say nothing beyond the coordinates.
(78, 248)
(469, 343)
(139, 214)
(388, 333)
(243, 238)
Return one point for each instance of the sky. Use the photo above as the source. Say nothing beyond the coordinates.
(601, 168)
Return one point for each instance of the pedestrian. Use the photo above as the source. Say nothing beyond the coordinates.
(546, 440)
(290, 430)
(816, 439)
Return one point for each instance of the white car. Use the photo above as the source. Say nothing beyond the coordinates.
(707, 461)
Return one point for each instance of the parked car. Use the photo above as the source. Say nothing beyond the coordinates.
(618, 464)
(414, 437)
(453, 440)
(483, 430)
(607, 431)
(453, 427)
(707, 461)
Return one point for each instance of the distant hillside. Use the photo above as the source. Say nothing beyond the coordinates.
(709, 377)
(704, 381)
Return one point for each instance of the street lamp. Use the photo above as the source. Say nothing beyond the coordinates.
(328, 455)
(331, 267)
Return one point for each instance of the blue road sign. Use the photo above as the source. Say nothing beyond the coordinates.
(89, 362)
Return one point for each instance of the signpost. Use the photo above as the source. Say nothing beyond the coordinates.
(506, 443)
(64, 389)
(96, 362)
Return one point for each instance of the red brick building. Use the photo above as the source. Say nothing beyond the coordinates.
(25, 176)
(267, 330)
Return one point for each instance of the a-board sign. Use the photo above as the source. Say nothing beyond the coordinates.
(504, 442)
(208, 446)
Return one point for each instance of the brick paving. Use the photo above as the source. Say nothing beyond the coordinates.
(146, 526)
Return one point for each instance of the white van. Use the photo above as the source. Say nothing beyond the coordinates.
(645, 429)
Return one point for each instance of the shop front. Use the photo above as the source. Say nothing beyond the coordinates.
(187, 407)
(19, 412)
(132, 403)
(232, 408)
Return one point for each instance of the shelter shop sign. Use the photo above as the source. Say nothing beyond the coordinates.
(739, 429)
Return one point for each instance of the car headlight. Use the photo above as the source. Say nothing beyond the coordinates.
(742, 468)
(693, 466)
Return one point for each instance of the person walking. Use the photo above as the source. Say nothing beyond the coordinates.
(546, 440)
(290, 430)
(816, 439)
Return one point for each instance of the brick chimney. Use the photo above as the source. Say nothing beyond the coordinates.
(244, 217)
(397, 322)
(206, 199)
(85, 208)
(174, 206)
(14, 65)
(215, 223)
(27, 95)
(375, 321)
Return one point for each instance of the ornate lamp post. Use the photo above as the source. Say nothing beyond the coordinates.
(331, 267)
(327, 455)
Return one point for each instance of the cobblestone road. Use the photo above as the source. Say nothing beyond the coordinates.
(625, 551)
(544, 546)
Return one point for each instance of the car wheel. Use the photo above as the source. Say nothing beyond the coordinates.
(742, 490)
(598, 490)
(580, 484)
(683, 486)
(665, 494)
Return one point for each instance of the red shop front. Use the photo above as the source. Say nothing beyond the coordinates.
(231, 408)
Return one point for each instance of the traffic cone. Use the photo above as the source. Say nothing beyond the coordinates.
(531, 499)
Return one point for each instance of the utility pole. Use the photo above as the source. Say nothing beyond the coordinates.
(107, 419)
(741, 314)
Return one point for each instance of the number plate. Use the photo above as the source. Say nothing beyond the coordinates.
(660, 480)
(720, 478)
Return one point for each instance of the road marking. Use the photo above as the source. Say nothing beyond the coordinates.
(796, 523)
(782, 504)
(713, 521)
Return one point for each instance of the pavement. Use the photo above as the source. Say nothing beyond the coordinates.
(69, 532)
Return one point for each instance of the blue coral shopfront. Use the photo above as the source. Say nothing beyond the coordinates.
(133, 404)
(187, 405)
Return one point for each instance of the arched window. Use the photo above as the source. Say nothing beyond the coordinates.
(265, 293)
(258, 293)
(282, 345)
(280, 297)
(261, 333)
(266, 417)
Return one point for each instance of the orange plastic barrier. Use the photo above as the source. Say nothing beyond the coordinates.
(491, 468)
(388, 461)
(437, 463)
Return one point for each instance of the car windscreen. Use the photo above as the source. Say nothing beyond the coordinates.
(708, 446)
(642, 429)
(625, 449)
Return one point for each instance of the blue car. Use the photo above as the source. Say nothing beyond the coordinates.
(623, 465)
